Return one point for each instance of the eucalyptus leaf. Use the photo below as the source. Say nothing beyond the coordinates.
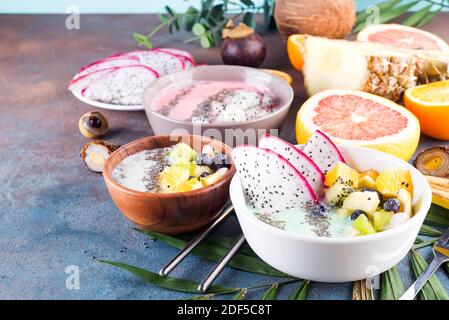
(189, 18)
(271, 293)
(391, 285)
(198, 29)
(301, 292)
(142, 40)
(416, 17)
(163, 18)
(206, 41)
(249, 19)
(248, 3)
(429, 231)
(432, 290)
(437, 216)
(176, 284)
(170, 11)
(241, 295)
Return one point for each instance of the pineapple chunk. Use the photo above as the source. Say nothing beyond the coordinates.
(337, 193)
(367, 201)
(367, 179)
(341, 172)
(213, 178)
(170, 177)
(389, 182)
(343, 213)
(182, 154)
(381, 219)
(188, 185)
(363, 225)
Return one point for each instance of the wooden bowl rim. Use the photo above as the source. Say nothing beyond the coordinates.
(107, 172)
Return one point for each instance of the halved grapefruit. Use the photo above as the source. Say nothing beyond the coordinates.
(400, 36)
(359, 118)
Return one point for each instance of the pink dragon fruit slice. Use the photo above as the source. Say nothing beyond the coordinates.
(298, 159)
(123, 86)
(162, 62)
(108, 63)
(270, 182)
(80, 83)
(323, 151)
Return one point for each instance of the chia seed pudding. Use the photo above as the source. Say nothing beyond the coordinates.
(216, 102)
(140, 170)
(316, 221)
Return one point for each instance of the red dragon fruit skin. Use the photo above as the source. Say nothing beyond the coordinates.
(80, 83)
(323, 151)
(108, 63)
(270, 182)
(298, 159)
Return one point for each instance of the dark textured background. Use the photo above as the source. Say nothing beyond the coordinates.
(53, 211)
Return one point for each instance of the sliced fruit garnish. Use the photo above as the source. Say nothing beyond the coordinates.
(214, 177)
(390, 182)
(188, 185)
(182, 153)
(270, 182)
(430, 104)
(367, 179)
(337, 193)
(367, 201)
(341, 171)
(401, 36)
(406, 202)
(171, 176)
(381, 219)
(358, 118)
(363, 225)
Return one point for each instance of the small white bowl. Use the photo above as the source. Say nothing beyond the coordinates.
(337, 259)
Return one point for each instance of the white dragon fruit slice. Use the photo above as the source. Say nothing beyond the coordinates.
(179, 52)
(123, 86)
(82, 82)
(108, 63)
(298, 159)
(323, 151)
(270, 182)
(163, 63)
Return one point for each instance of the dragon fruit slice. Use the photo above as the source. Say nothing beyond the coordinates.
(270, 182)
(82, 82)
(123, 86)
(298, 159)
(162, 62)
(323, 151)
(179, 52)
(108, 63)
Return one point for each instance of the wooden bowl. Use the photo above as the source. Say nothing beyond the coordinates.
(171, 213)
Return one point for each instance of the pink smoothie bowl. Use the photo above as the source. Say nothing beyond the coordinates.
(232, 133)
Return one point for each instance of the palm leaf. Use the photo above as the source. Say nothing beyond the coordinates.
(301, 292)
(392, 287)
(271, 293)
(438, 216)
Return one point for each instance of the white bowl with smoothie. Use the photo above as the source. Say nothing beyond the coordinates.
(207, 100)
(318, 247)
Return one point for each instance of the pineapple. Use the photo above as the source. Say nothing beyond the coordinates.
(369, 67)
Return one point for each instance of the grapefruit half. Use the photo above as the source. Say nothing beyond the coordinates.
(400, 36)
(359, 118)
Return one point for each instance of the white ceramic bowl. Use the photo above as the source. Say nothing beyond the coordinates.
(337, 259)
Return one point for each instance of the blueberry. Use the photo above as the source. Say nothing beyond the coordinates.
(392, 204)
(220, 161)
(356, 213)
(204, 159)
(204, 174)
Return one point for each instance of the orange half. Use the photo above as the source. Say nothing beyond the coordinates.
(280, 74)
(430, 104)
(295, 49)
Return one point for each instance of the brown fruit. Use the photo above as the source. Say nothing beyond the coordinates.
(325, 18)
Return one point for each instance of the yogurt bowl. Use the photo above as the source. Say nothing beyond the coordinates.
(337, 259)
(164, 123)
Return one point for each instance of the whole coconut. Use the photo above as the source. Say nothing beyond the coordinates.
(324, 18)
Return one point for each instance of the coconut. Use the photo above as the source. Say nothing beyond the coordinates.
(325, 18)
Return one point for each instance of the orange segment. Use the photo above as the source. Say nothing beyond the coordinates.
(280, 74)
(430, 104)
(295, 49)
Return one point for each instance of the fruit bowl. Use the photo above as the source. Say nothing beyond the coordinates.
(171, 213)
(163, 125)
(337, 259)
